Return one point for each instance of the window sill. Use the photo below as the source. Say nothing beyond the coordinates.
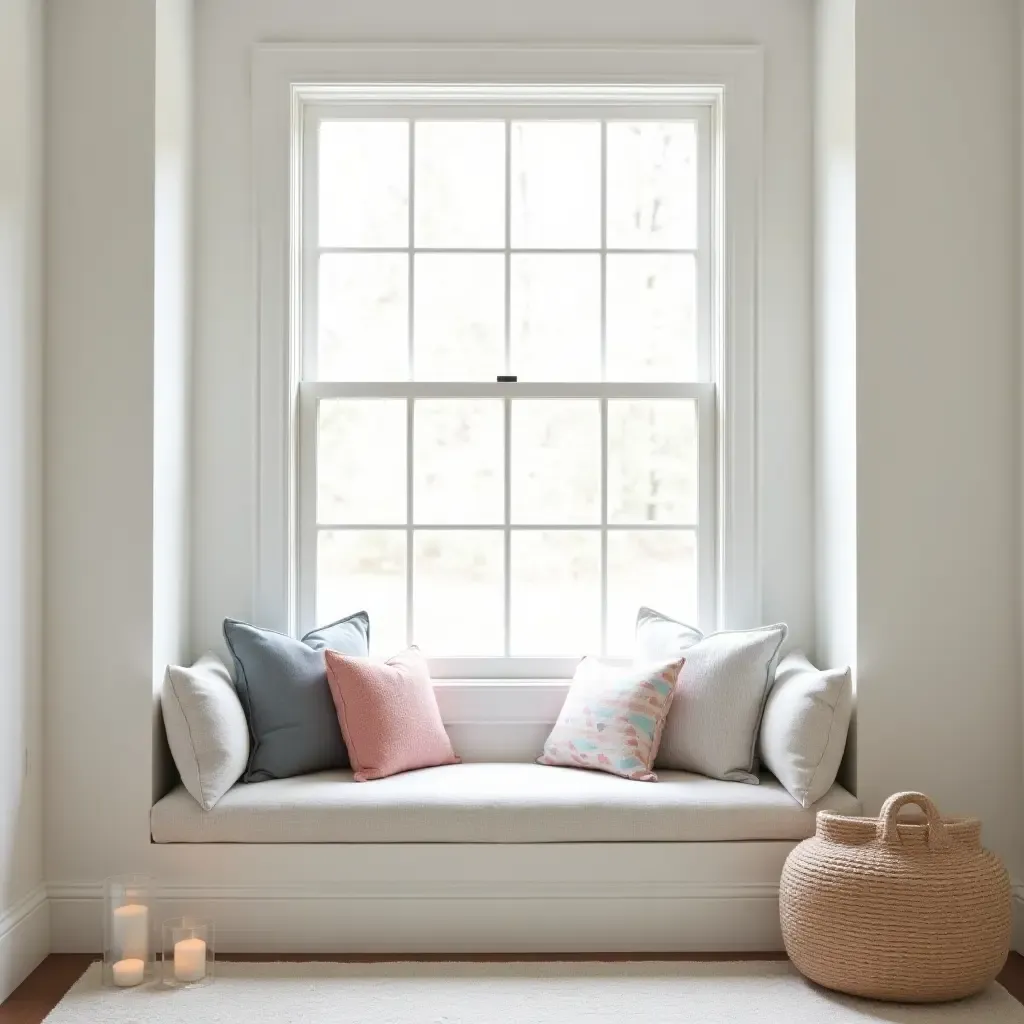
(500, 701)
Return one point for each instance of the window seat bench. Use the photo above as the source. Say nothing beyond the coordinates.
(494, 803)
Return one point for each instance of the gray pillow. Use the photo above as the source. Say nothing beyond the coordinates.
(282, 683)
(713, 723)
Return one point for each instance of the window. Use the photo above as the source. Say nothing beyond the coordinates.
(506, 527)
(590, 227)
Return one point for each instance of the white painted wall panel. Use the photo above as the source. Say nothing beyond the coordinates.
(938, 613)
(226, 356)
(21, 456)
(835, 339)
(118, 133)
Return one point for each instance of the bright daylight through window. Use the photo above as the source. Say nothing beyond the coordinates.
(443, 247)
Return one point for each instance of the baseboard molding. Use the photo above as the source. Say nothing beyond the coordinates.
(1017, 937)
(453, 917)
(24, 939)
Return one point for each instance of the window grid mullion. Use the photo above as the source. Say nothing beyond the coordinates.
(508, 527)
(507, 403)
(604, 376)
(637, 527)
(410, 429)
(702, 254)
(410, 413)
(330, 250)
(604, 526)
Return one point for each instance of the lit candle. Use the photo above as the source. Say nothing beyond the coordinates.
(190, 960)
(129, 972)
(131, 932)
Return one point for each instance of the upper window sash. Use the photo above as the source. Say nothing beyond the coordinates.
(416, 107)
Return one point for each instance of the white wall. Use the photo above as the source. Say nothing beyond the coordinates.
(23, 924)
(226, 371)
(937, 370)
(935, 425)
(172, 348)
(835, 340)
(119, 329)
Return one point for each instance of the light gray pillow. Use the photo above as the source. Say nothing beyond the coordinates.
(803, 732)
(206, 728)
(282, 683)
(713, 723)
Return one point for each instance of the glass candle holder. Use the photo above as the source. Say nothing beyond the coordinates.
(187, 951)
(128, 954)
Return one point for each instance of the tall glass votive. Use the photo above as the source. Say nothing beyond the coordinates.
(128, 920)
(187, 951)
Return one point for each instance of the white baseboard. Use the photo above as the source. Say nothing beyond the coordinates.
(24, 939)
(453, 917)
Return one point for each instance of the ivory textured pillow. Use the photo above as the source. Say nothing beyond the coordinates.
(720, 696)
(803, 732)
(388, 714)
(613, 717)
(206, 728)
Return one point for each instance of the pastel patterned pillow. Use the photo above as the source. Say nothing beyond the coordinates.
(613, 717)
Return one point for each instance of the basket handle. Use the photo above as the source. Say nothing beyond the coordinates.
(938, 837)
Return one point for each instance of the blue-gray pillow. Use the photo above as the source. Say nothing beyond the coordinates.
(282, 684)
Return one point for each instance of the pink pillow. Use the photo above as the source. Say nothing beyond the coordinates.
(388, 714)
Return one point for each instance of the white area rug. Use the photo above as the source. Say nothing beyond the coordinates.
(519, 993)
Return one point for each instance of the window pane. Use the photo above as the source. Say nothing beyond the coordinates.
(652, 462)
(458, 592)
(652, 185)
(364, 569)
(657, 568)
(556, 461)
(652, 318)
(556, 592)
(459, 463)
(364, 183)
(556, 184)
(361, 461)
(460, 184)
(364, 317)
(556, 317)
(459, 328)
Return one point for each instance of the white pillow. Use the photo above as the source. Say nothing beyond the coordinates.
(206, 728)
(803, 732)
(712, 725)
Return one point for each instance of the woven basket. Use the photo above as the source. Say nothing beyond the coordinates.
(914, 911)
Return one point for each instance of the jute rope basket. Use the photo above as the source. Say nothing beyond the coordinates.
(909, 910)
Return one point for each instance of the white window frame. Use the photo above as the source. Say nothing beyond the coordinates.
(292, 83)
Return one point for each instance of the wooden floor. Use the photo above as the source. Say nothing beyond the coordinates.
(43, 988)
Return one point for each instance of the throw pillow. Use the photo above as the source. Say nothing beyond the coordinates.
(388, 714)
(613, 717)
(282, 683)
(206, 728)
(803, 732)
(720, 696)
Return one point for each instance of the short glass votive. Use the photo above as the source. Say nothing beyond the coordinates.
(187, 951)
(128, 954)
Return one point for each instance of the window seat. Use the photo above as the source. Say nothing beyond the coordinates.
(494, 803)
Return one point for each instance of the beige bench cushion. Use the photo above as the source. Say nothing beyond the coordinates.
(493, 803)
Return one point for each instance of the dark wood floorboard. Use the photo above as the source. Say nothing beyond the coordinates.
(42, 990)
(44, 987)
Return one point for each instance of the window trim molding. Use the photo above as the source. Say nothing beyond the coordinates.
(286, 76)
